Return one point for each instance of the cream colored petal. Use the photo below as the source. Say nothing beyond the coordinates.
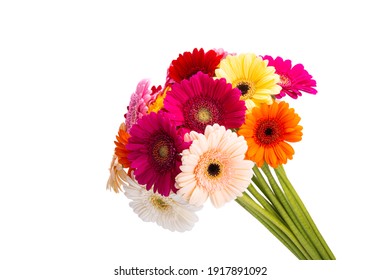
(198, 197)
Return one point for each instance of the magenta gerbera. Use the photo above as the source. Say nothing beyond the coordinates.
(154, 152)
(293, 80)
(200, 101)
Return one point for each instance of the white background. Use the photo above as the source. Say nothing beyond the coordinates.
(67, 69)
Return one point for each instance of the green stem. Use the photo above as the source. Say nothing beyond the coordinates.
(262, 184)
(286, 204)
(305, 223)
(273, 225)
(263, 201)
(293, 228)
(280, 171)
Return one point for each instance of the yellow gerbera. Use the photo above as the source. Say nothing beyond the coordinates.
(251, 74)
(158, 104)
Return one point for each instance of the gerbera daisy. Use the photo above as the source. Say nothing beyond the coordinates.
(223, 52)
(200, 101)
(294, 79)
(117, 177)
(154, 152)
(158, 103)
(188, 64)
(267, 131)
(172, 212)
(120, 150)
(214, 166)
(138, 105)
(256, 81)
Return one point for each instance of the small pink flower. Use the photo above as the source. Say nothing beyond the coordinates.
(293, 80)
(221, 51)
(138, 105)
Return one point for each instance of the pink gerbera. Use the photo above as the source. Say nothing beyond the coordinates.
(154, 152)
(200, 101)
(222, 52)
(294, 79)
(140, 100)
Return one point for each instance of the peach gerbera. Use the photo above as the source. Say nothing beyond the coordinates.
(214, 167)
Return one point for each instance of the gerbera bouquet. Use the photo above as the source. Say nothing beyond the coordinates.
(217, 130)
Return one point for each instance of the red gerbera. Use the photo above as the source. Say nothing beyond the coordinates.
(188, 64)
(294, 79)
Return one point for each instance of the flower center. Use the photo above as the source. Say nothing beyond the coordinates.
(285, 81)
(159, 203)
(268, 132)
(163, 152)
(204, 115)
(247, 88)
(201, 111)
(244, 88)
(214, 169)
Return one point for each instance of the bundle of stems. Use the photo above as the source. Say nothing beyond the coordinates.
(274, 202)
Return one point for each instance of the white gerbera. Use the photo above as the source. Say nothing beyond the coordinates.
(214, 166)
(172, 212)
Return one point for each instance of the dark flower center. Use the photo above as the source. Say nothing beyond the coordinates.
(244, 88)
(201, 111)
(213, 170)
(268, 132)
(163, 152)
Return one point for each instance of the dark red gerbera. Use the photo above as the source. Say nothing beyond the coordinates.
(188, 64)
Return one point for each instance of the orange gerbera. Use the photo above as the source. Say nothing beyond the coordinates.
(267, 130)
(120, 150)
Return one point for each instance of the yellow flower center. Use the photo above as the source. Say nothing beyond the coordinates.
(204, 115)
(159, 203)
(163, 151)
